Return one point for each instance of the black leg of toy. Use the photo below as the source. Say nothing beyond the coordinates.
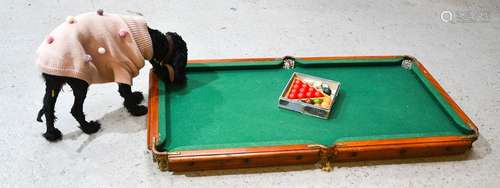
(132, 100)
(179, 66)
(52, 89)
(80, 92)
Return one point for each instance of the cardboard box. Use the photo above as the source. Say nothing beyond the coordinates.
(306, 108)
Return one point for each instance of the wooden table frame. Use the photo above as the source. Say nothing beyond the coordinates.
(302, 153)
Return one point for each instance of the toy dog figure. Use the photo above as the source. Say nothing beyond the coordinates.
(98, 47)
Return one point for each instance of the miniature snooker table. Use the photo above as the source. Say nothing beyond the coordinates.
(227, 115)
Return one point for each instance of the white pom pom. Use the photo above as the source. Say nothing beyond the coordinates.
(88, 58)
(70, 19)
(101, 50)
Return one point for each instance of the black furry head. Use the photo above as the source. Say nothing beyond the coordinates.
(177, 59)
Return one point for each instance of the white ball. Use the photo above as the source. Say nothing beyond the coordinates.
(101, 50)
(325, 85)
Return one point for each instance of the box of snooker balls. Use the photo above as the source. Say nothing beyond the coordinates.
(309, 95)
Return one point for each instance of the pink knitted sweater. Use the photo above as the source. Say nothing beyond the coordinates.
(97, 48)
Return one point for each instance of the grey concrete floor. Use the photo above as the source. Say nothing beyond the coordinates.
(463, 54)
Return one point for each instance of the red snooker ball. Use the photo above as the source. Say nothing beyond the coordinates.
(300, 95)
(292, 96)
(317, 94)
(309, 94)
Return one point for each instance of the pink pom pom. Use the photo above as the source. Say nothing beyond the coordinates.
(123, 33)
(50, 39)
(100, 12)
